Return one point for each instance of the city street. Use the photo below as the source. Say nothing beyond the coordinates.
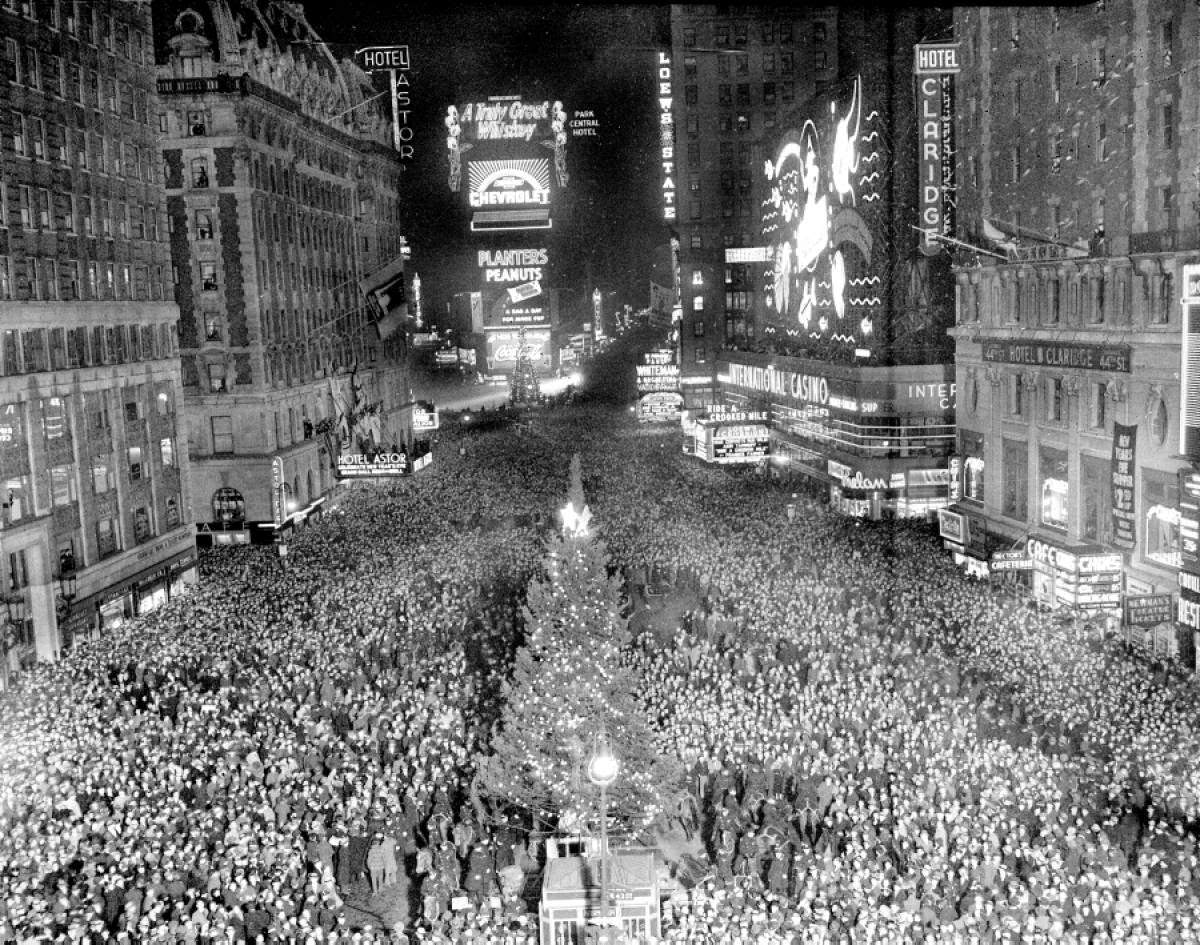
(871, 740)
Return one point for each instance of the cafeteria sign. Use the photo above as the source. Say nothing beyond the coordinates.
(364, 466)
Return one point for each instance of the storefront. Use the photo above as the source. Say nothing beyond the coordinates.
(1082, 578)
(139, 593)
(879, 439)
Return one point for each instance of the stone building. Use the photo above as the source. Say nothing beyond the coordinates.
(283, 193)
(95, 507)
(804, 296)
(1076, 177)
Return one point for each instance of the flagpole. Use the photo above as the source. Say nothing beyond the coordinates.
(949, 239)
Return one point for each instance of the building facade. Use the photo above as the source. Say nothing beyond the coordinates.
(95, 507)
(795, 164)
(283, 193)
(1074, 179)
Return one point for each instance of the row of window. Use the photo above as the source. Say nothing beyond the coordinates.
(74, 83)
(773, 93)
(48, 279)
(36, 350)
(1019, 394)
(1090, 300)
(1158, 515)
(38, 208)
(782, 31)
(101, 154)
(89, 23)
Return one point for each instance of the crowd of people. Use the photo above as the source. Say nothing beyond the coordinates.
(879, 749)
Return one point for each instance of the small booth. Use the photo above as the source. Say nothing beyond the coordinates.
(571, 896)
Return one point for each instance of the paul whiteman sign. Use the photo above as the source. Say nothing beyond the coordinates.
(1059, 355)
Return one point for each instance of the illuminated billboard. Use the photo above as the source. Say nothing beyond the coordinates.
(508, 131)
(822, 221)
(509, 194)
(503, 344)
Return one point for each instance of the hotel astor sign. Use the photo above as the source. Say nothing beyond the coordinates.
(1059, 355)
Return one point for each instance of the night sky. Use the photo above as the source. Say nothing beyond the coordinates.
(587, 56)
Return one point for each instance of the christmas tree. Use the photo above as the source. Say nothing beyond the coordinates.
(523, 386)
(569, 684)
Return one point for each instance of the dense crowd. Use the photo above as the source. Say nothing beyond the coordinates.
(880, 749)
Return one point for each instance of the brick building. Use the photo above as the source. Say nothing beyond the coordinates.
(283, 192)
(94, 496)
(1076, 166)
(804, 296)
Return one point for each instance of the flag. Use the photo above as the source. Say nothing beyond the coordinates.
(385, 287)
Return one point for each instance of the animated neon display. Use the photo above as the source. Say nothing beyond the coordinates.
(820, 281)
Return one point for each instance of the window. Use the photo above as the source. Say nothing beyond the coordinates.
(724, 94)
(197, 126)
(208, 277)
(693, 126)
(972, 448)
(141, 525)
(1166, 41)
(689, 67)
(689, 37)
(106, 537)
(222, 434)
(166, 449)
(768, 93)
(1014, 463)
(1102, 141)
(691, 95)
(135, 462)
(1016, 395)
(1160, 505)
(1014, 163)
(1098, 407)
(199, 172)
(1096, 483)
(741, 64)
(768, 63)
(1052, 480)
(62, 485)
(1167, 124)
(787, 63)
(1159, 422)
(1056, 82)
(1056, 400)
(172, 511)
(696, 241)
(20, 134)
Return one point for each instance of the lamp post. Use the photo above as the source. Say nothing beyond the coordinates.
(283, 555)
(602, 771)
(14, 618)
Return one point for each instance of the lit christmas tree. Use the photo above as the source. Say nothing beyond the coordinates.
(523, 386)
(569, 683)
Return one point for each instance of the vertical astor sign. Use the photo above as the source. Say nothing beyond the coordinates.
(934, 64)
(666, 131)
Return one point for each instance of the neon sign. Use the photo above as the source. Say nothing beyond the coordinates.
(666, 127)
(818, 279)
(512, 265)
(509, 183)
(935, 65)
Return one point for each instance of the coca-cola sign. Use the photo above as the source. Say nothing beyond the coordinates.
(502, 348)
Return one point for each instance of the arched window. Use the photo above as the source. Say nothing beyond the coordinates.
(229, 508)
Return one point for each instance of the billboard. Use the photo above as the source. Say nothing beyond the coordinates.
(502, 348)
(512, 143)
(821, 223)
(512, 293)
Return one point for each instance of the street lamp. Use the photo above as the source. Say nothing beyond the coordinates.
(602, 770)
(15, 606)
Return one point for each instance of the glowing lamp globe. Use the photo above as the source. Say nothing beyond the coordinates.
(603, 766)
